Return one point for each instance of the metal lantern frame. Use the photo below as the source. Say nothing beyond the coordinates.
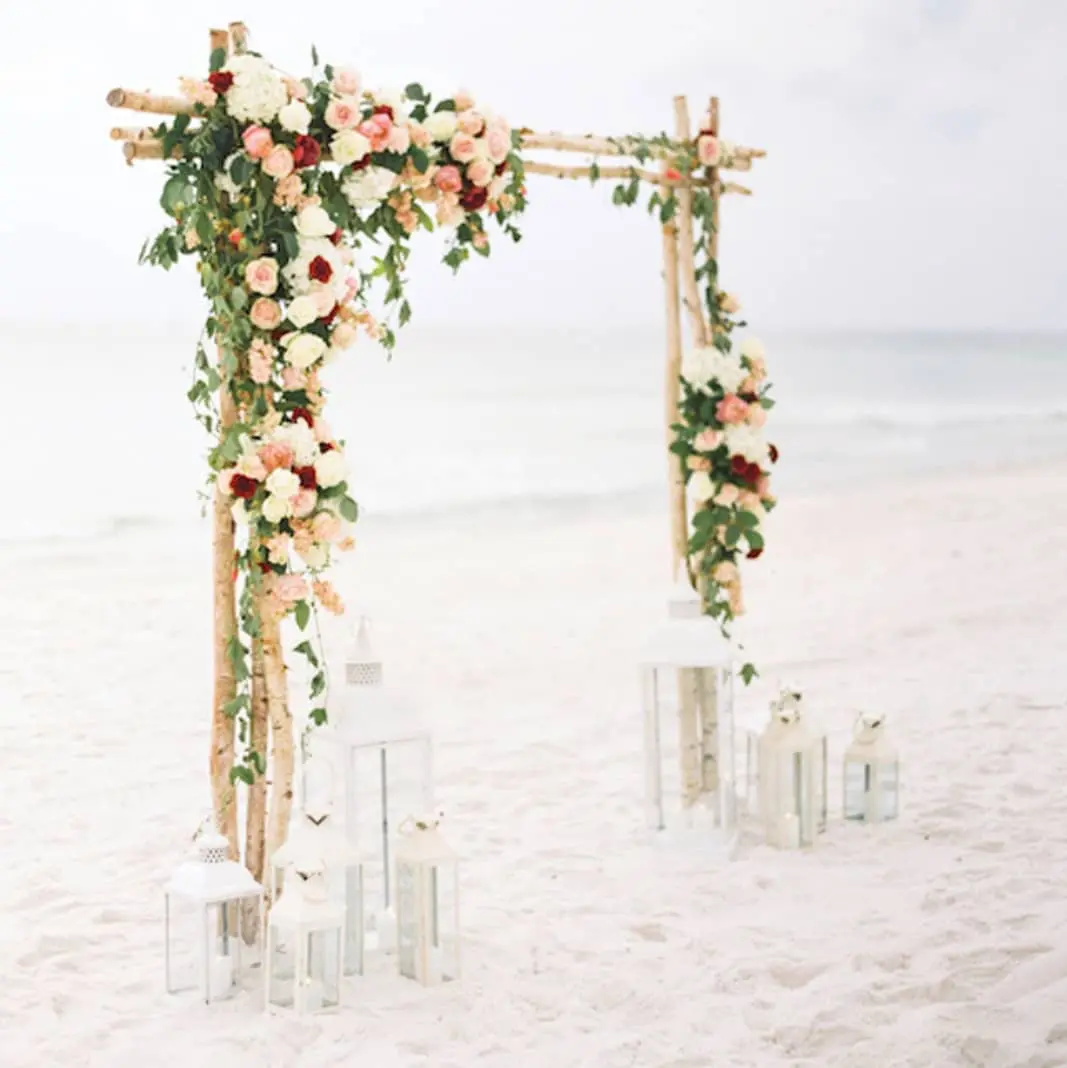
(427, 870)
(870, 774)
(217, 887)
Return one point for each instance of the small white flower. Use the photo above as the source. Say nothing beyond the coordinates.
(257, 93)
(748, 441)
(317, 556)
(751, 348)
(239, 513)
(700, 486)
(330, 468)
(349, 146)
(314, 221)
(368, 186)
(275, 507)
(282, 482)
(301, 439)
(295, 117)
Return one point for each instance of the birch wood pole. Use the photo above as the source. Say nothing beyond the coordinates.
(256, 808)
(281, 728)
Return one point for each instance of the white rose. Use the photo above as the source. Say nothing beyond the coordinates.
(303, 311)
(282, 482)
(295, 117)
(441, 125)
(497, 187)
(349, 146)
(276, 508)
(257, 93)
(701, 488)
(748, 441)
(368, 186)
(730, 372)
(752, 348)
(313, 221)
(330, 468)
(698, 365)
(395, 99)
(304, 350)
(301, 439)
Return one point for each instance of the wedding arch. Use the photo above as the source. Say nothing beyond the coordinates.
(298, 199)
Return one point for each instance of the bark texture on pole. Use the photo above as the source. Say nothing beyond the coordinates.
(281, 728)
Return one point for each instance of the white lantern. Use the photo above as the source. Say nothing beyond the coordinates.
(314, 842)
(871, 774)
(427, 905)
(688, 686)
(305, 945)
(792, 776)
(384, 756)
(207, 894)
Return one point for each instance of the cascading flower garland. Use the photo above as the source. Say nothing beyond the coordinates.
(275, 185)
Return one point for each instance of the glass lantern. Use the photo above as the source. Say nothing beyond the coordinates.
(305, 945)
(427, 905)
(871, 773)
(315, 841)
(383, 755)
(202, 944)
(792, 776)
(688, 689)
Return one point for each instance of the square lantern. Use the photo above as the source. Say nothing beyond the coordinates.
(427, 905)
(792, 776)
(383, 756)
(305, 945)
(688, 689)
(871, 774)
(202, 905)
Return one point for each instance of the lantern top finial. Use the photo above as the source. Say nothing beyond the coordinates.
(364, 666)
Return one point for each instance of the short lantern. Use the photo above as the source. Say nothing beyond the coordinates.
(207, 894)
(871, 773)
(305, 945)
(427, 905)
(384, 756)
(792, 776)
(688, 698)
(315, 841)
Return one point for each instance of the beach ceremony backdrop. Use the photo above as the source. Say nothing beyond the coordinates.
(902, 261)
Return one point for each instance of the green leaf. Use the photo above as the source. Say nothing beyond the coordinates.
(204, 231)
(318, 717)
(594, 172)
(244, 774)
(754, 539)
(415, 92)
(318, 684)
(238, 704)
(177, 194)
(405, 313)
(421, 160)
(218, 59)
(314, 56)
(748, 673)
(259, 762)
(445, 105)
(239, 298)
(303, 614)
(349, 509)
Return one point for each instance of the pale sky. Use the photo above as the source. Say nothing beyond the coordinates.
(916, 174)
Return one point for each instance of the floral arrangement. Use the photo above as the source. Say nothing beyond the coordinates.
(276, 186)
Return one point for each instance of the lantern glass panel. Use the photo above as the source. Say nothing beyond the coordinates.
(428, 937)
(872, 790)
(203, 947)
(281, 970)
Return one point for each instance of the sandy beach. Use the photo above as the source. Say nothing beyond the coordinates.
(934, 942)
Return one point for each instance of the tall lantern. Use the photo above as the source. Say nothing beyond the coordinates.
(384, 754)
(871, 773)
(427, 904)
(305, 934)
(206, 893)
(792, 776)
(315, 842)
(688, 688)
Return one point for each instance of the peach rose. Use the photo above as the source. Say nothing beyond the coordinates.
(731, 409)
(698, 463)
(329, 598)
(757, 415)
(346, 82)
(289, 191)
(265, 314)
(376, 130)
(399, 140)
(259, 366)
(448, 180)
(343, 336)
(708, 151)
(763, 488)
(278, 549)
(342, 113)
(707, 440)
(727, 495)
(470, 122)
(275, 455)
(326, 526)
(749, 385)
(729, 303)
(420, 136)
(293, 378)
(261, 276)
(749, 501)
(278, 163)
(480, 172)
(463, 100)
(725, 573)
(290, 588)
(257, 141)
(498, 142)
(462, 148)
(304, 503)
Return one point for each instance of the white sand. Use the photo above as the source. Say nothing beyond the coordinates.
(936, 942)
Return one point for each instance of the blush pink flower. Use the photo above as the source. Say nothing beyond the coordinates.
(304, 503)
(289, 191)
(261, 276)
(449, 211)
(480, 172)
(259, 366)
(725, 573)
(698, 463)
(293, 378)
(199, 92)
(757, 415)
(731, 409)
(707, 440)
(351, 288)
(265, 314)
(763, 488)
(278, 163)
(342, 113)
(498, 142)
(343, 336)
(480, 240)
(463, 100)
(278, 549)
(729, 303)
(329, 598)
(749, 385)
(420, 136)
(470, 122)
(274, 455)
(462, 148)
(708, 151)
(290, 588)
(399, 140)
(448, 180)
(376, 130)
(346, 82)
(257, 141)
(749, 500)
(296, 89)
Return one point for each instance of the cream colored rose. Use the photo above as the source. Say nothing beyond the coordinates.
(729, 303)
(316, 556)
(752, 349)
(303, 310)
(276, 508)
(282, 482)
(480, 172)
(295, 117)
(304, 350)
(313, 221)
(727, 494)
(441, 125)
(701, 488)
(330, 468)
(349, 146)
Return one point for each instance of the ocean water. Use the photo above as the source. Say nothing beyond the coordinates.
(103, 439)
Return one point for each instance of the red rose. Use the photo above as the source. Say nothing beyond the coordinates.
(753, 473)
(301, 413)
(501, 167)
(220, 80)
(749, 398)
(362, 164)
(474, 199)
(337, 235)
(319, 270)
(774, 453)
(265, 567)
(385, 109)
(333, 314)
(326, 446)
(306, 151)
(754, 554)
(243, 486)
(278, 333)
(307, 477)
(739, 465)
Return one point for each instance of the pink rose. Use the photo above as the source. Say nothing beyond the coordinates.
(480, 172)
(707, 440)
(470, 122)
(324, 301)
(293, 378)
(346, 82)
(708, 150)
(291, 588)
(344, 334)
(274, 455)
(304, 503)
(258, 141)
(727, 495)
(448, 179)
(463, 100)
(757, 415)
(462, 148)
(289, 191)
(731, 409)
(498, 142)
(261, 276)
(399, 140)
(278, 163)
(480, 240)
(420, 136)
(259, 366)
(326, 527)
(265, 314)
(376, 130)
(729, 303)
(342, 113)
(295, 89)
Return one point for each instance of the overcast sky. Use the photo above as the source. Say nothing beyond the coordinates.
(916, 174)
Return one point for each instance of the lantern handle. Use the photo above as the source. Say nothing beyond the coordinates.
(411, 824)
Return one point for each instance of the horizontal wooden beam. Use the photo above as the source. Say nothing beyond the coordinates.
(625, 146)
(149, 103)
